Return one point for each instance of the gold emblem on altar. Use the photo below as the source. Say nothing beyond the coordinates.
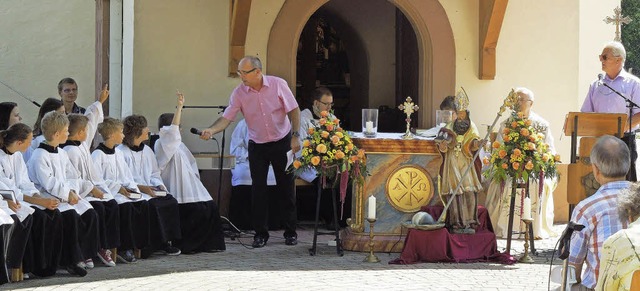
(409, 188)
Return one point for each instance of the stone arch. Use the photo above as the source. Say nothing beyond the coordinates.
(433, 31)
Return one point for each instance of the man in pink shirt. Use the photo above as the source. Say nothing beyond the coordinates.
(273, 117)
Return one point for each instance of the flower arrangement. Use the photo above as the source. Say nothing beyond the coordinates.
(523, 154)
(330, 151)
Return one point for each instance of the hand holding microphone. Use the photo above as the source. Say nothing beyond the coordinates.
(205, 134)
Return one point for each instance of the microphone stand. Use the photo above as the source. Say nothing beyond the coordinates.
(221, 157)
(631, 143)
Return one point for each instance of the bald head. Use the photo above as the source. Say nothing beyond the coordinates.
(611, 156)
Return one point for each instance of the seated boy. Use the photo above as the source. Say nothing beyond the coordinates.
(81, 133)
(51, 171)
(134, 208)
(199, 217)
(164, 217)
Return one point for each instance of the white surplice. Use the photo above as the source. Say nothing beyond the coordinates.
(178, 167)
(241, 174)
(14, 176)
(116, 173)
(498, 195)
(54, 176)
(143, 165)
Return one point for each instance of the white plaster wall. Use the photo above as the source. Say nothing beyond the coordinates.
(544, 45)
(42, 42)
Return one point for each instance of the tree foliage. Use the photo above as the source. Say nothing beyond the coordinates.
(631, 34)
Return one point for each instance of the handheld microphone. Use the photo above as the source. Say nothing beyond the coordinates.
(198, 132)
(600, 79)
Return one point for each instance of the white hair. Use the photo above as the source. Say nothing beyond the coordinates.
(525, 91)
(617, 49)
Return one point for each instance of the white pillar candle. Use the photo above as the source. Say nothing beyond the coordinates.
(526, 208)
(369, 126)
(372, 207)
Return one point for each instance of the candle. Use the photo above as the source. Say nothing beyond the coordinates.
(526, 208)
(369, 126)
(372, 207)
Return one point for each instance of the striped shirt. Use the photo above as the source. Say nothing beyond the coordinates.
(599, 214)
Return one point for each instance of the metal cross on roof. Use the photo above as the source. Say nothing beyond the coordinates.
(618, 20)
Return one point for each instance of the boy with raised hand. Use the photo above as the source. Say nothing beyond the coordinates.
(164, 217)
(54, 176)
(134, 208)
(199, 217)
(81, 133)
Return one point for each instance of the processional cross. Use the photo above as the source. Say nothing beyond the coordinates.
(408, 107)
(618, 20)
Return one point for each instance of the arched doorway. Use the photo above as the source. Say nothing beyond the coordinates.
(434, 37)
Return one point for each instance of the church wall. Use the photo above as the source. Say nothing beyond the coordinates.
(43, 42)
(185, 45)
(536, 49)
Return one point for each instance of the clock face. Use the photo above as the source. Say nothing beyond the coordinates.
(409, 188)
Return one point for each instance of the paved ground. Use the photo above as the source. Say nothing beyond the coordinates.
(280, 267)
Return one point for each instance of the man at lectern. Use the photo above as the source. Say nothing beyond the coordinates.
(602, 99)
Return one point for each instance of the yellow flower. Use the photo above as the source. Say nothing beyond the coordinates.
(321, 148)
(339, 155)
(340, 134)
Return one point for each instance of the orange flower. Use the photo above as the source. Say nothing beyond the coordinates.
(335, 139)
(517, 152)
(507, 138)
(502, 154)
(306, 143)
(322, 121)
(504, 166)
(484, 161)
(339, 155)
(520, 115)
(340, 134)
(324, 134)
(506, 131)
(545, 157)
(329, 126)
(336, 121)
(349, 147)
(315, 160)
(529, 166)
(531, 146)
(495, 145)
(514, 124)
(527, 122)
(557, 158)
(515, 165)
(361, 153)
(296, 164)
(321, 148)
(524, 132)
(354, 158)
(311, 130)
(324, 113)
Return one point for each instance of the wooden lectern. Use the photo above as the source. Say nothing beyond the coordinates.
(588, 126)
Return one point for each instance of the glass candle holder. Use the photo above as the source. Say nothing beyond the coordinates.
(370, 122)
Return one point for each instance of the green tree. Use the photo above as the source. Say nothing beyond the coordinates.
(631, 34)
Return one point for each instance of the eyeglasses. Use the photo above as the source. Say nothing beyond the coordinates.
(70, 90)
(604, 57)
(244, 73)
(326, 103)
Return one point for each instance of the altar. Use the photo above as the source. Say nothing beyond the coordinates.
(403, 178)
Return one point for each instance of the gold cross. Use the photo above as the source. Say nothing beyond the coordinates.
(618, 20)
(408, 107)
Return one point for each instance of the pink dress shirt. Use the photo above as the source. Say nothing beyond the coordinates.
(265, 111)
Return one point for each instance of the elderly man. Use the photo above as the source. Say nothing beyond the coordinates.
(273, 120)
(498, 194)
(621, 251)
(603, 100)
(598, 212)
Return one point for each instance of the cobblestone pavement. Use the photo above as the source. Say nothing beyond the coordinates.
(281, 267)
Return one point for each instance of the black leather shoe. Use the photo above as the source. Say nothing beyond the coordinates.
(291, 241)
(259, 242)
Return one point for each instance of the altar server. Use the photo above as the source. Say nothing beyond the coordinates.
(134, 208)
(82, 129)
(54, 176)
(199, 217)
(50, 104)
(45, 240)
(164, 217)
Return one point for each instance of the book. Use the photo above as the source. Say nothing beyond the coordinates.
(134, 195)
(161, 192)
(8, 195)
